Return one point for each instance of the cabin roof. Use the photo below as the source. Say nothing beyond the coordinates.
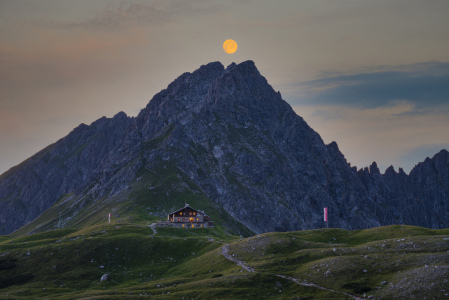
(188, 206)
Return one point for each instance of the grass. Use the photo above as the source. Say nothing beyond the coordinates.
(157, 191)
(176, 263)
(355, 262)
(67, 261)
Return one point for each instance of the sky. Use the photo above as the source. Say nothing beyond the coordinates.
(371, 75)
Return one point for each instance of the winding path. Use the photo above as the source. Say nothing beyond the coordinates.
(225, 252)
(153, 227)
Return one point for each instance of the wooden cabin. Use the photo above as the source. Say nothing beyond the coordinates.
(188, 217)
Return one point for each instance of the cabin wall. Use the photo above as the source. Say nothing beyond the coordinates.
(185, 225)
(199, 218)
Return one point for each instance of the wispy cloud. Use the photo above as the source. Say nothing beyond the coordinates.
(424, 85)
(131, 14)
(113, 18)
(394, 115)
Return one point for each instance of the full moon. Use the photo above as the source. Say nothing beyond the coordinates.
(230, 46)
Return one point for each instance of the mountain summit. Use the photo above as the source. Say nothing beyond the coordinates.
(222, 140)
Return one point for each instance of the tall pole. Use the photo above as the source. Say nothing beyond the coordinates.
(109, 218)
(325, 217)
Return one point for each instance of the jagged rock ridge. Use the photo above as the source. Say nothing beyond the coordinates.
(242, 146)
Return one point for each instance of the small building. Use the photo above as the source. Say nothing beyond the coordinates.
(187, 217)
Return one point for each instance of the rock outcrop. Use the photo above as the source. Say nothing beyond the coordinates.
(233, 136)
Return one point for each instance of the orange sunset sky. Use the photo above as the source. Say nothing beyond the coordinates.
(371, 75)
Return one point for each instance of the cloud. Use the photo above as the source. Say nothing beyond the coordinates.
(112, 18)
(134, 14)
(424, 85)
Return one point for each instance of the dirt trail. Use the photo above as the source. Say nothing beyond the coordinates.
(225, 252)
(153, 227)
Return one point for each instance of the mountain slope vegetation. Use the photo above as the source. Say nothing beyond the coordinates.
(393, 262)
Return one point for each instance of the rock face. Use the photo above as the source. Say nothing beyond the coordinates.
(243, 146)
(66, 166)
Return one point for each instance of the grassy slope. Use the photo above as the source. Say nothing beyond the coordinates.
(69, 263)
(357, 262)
(150, 198)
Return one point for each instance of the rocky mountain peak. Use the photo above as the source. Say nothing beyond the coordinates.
(226, 139)
(243, 95)
(373, 169)
(441, 158)
(247, 77)
(120, 115)
(390, 171)
(247, 68)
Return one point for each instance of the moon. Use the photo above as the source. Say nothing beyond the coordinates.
(230, 46)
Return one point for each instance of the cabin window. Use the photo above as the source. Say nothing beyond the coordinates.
(201, 226)
(180, 213)
(194, 213)
(197, 219)
(183, 226)
(179, 219)
(193, 225)
(190, 213)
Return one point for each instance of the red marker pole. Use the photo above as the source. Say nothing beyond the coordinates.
(325, 217)
(109, 218)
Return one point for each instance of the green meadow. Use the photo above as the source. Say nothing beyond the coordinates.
(392, 262)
